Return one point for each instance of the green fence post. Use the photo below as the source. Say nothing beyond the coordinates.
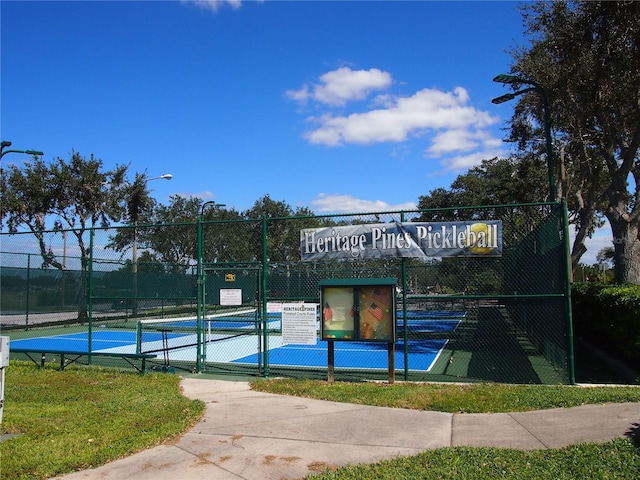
(90, 291)
(139, 337)
(265, 284)
(26, 315)
(200, 295)
(571, 355)
(405, 327)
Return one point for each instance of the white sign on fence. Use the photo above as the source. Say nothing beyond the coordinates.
(299, 323)
(230, 296)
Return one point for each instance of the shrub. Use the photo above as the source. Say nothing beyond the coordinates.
(609, 316)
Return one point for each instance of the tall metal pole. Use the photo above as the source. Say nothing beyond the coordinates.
(535, 87)
(5, 144)
(201, 352)
(134, 251)
(549, 140)
(90, 290)
(265, 286)
(569, 308)
(200, 298)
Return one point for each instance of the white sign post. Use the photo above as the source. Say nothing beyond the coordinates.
(4, 362)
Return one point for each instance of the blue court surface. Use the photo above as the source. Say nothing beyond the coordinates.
(428, 326)
(421, 353)
(103, 340)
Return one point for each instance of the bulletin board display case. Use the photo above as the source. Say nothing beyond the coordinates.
(362, 310)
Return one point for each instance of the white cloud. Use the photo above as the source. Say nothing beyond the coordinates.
(343, 85)
(444, 124)
(205, 195)
(428, 109)
(347, 204)
(460, 140)
(602, 238)
(460, 163)
(472, 146)
(213, 5)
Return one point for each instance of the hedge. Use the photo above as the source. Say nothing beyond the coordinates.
(609, 317)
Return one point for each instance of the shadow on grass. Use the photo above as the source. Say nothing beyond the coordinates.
(634, 435)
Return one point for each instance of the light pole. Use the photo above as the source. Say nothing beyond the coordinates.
(134, 253)
(535, 87)
(201, 354)
(6, 144)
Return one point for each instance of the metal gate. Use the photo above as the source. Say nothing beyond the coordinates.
(232, 321)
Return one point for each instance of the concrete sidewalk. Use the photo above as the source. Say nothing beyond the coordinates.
(251, 435)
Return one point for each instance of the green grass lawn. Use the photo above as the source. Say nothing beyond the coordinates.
(618, 459)
(83, 417)
(451, 398)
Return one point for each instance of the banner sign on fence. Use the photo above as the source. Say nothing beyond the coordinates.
(422, 240)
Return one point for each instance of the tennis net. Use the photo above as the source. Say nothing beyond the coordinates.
(157, 335)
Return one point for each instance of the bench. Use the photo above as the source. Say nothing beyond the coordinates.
(128, 357)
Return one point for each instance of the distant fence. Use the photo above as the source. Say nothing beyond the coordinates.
(475, 316)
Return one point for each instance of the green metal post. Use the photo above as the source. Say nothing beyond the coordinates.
(26, 316)
(265, 283)
(201, 353)
(549, 141)
(567, 269)
(405, 327)
(200, 299)
(138, 337)
(90, 294)
(535, 87)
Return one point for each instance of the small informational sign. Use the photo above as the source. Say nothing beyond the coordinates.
(299, 323)
(274, 307)
(4, 351)
(229, 277)
(230, 296)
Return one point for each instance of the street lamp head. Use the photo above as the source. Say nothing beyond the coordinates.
(508, 79)
(510, 96)
(503, 98)
(166, 176)
(34, 152)
(5, 143)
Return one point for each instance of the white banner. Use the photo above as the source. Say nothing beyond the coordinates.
(422, 240)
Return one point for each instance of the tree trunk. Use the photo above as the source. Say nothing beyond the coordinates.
(586, 223)
(624, 217)
(587, 219)
(626, 247)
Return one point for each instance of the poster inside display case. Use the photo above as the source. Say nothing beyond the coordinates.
(358, 309)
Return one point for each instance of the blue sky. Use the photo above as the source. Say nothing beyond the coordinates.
(338, 106)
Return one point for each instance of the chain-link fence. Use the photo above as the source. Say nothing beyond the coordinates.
(208, 296)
